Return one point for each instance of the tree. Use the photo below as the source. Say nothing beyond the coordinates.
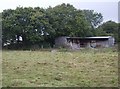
(28, 23)
(93, 17)
(38, 25)
(7, 33)
(111, 28)
(67, 21)
(100, 32)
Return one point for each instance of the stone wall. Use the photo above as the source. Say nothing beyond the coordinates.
(61, 42)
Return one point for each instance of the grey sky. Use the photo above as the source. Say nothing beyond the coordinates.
(108, 8)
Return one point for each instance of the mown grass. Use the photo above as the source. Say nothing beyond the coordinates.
(94, 68)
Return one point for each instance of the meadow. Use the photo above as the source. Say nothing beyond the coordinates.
(83, 68)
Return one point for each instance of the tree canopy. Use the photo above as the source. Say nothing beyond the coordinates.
(38, 25)
(110, 28)
(93, 17)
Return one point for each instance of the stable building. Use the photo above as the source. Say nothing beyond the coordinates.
(83, 42)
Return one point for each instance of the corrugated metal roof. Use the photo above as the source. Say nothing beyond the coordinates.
(99, 37)
(96, 37)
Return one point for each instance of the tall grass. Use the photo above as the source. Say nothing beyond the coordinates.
(81, 68)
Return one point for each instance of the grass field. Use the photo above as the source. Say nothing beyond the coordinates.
(94, 68)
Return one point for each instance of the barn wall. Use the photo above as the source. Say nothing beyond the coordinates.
(97, 44)
(107, 43)
(75, 46)
(61, 42)
(111, 41)
(102, 43)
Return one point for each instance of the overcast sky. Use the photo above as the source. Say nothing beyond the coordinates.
(108, 8)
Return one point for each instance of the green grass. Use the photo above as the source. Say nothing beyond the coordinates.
(94, 68)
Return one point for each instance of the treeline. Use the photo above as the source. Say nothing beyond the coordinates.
(27, 26)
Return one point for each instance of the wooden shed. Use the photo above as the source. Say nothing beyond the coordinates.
(81, 42)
